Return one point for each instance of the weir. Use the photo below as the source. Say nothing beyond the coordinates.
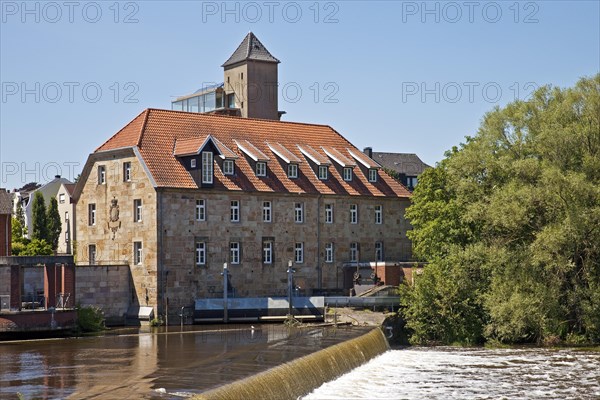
(299, 377)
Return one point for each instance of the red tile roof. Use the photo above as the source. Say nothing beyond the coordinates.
(155, 133)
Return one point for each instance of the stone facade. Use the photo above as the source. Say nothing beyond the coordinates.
(169, 217)
(253, 277)
(107, 287)
(113, 241)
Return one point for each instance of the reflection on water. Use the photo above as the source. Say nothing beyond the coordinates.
(142, 365)
(454, 373)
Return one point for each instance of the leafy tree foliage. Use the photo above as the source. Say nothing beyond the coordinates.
(54, 224)
(35, 247)
(510, 223)
(28, 187)
(40, 225)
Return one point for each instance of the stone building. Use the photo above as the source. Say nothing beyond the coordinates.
(175, 195)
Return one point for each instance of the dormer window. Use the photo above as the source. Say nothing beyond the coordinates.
(197, 155)
(372, 175)
(207, 167)
(347, 174)
(261, 169)
(228, 167)
(292, 171)
(323, 172)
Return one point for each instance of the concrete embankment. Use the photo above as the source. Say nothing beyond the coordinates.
(299, 377)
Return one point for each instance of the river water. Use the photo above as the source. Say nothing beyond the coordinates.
(457, 373)
(164, 364)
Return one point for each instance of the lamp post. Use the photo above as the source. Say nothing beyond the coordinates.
(225, 274)
(290, 272)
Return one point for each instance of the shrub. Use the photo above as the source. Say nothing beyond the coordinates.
(90, 319)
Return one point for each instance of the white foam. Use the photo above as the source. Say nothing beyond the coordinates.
(456, 373)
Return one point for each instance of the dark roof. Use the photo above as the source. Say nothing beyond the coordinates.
(6, 202)
(403, 163)
(70, 188)
(250, 49)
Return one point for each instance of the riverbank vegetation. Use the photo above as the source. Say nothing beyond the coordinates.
(510, 224)
(89, 319)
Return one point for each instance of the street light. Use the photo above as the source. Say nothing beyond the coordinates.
(225, 274)
(290, 272)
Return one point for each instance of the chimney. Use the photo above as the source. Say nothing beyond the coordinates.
(368, 151)
(56, 176)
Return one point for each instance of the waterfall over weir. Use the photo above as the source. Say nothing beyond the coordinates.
(299, 377)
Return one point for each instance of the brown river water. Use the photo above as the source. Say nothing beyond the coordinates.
(171, 364)
(174, 364)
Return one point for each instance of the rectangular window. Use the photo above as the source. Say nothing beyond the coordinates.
(378, 214)
(126, 172)
(292, 170)
(67, 236)
(193, 163)
(235, 211)
(207, 167)
(329, 213)
(234, 252)
(267, 251)
(261, 169)
(298, 212)
(137, 210)
(66, 215)
(61, 198)
(228, 167)
(347, 174)
(323, 172)
(91, 214)
(266, 212)
(329, 252)
(299, 253)
(353, 214)
(378, 251)
(92, 254)
(200, 253)
(372, 175)
(137, 253)
(353, 252)
(200, 210)
(101, 175)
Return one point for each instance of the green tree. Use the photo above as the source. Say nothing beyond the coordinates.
(518, 204)
(40, 224)
(54, 224)
(20, 217)
(35, 247)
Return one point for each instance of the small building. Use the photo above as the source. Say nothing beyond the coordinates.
(49, 190)
(66, 209)
(407, 166)
(6, 205)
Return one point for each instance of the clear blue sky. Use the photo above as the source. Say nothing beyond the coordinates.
(404, 76)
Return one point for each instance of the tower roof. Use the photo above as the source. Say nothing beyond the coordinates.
(250, 49)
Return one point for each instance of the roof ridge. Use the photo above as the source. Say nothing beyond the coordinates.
(241, 118)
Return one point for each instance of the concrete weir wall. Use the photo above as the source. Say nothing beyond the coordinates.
(299, 377)
(107, 287)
